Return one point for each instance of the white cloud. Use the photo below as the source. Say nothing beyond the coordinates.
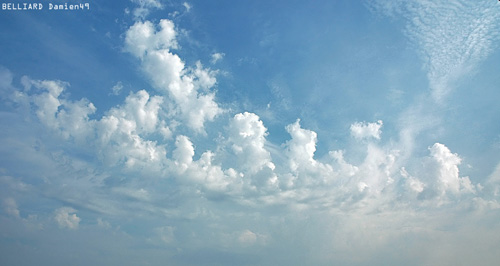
(184, 86)
(187, 6)
(242, 165)
(129, 123)
(448, 172)
(247, 137)
(345, 168)
(247, 153)
(145, 7)
(142, 37)
(301, 147)
(142, 109)
(66, 218)
(202, 172)
(216, 57)
(363, 130)
(184, 152)
(67, 118)
(378, 168)
(360, 206)
(119, 137)
(117, 89)
(412, 184)
(303, 169)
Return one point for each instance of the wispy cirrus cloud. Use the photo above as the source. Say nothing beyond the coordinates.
(452, 37)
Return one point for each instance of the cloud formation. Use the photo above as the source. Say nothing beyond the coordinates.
(187, 88)
(453, 37)
(66, 218)
(216, 57)
(363, 130)
(140, 173)
(135, 135)
(145, 7)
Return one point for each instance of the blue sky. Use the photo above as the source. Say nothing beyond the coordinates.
(152, 132)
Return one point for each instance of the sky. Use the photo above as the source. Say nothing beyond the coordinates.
(334, 132)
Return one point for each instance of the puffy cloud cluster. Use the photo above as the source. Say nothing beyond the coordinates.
(144, 160)
(247, 137)
(128, 134)
(201, 172)
(302, 168)
(447, 172)
(366, 130)
(120, 132)
(301, 147)
(69, 118)
(118, 137)
(137, 135)
(186, 87)
(133, 135)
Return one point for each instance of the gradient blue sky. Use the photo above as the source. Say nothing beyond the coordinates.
(152, 132)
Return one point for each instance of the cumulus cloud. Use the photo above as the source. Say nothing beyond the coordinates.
(243, 178)
(186, 87)
(66, 218)
(202, 172)
(301, 147)
(142, 109)
(242, 166)
(247, 136)
(247, 141)
(184, 152)
(68, 118)
(242, 173)
(303, 169)
(447, 170)
(119, 137)
(142, 37)
(363, 130)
